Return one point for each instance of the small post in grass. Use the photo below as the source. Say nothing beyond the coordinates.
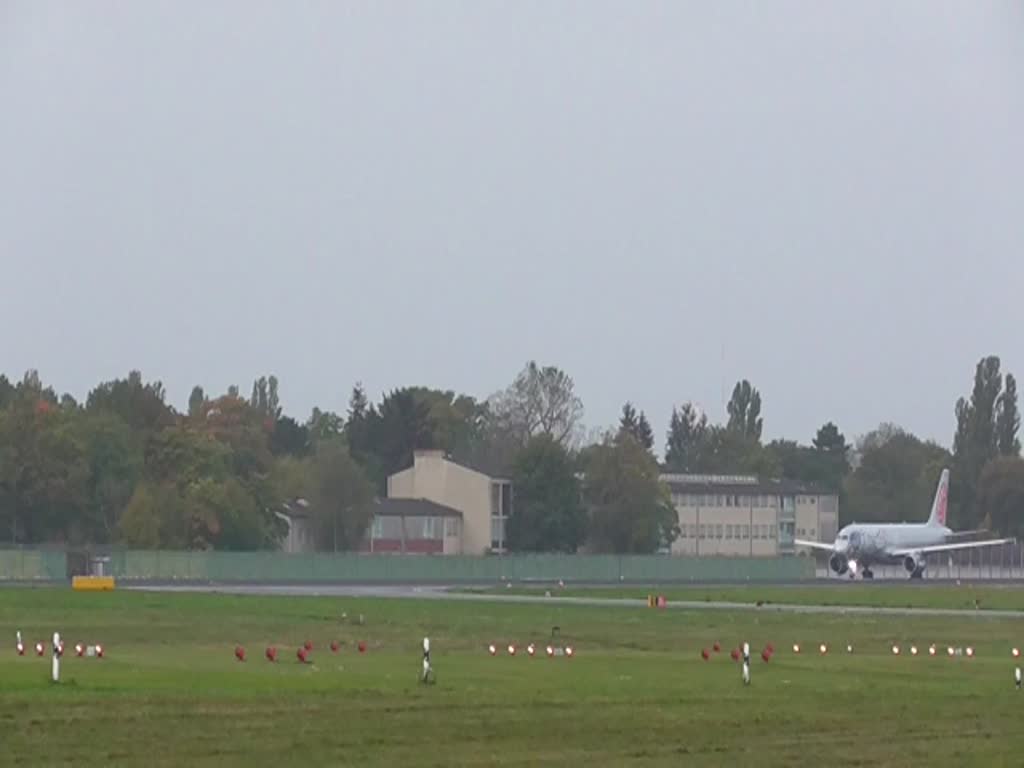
(428, 672)
(746, 663)
(57, 648)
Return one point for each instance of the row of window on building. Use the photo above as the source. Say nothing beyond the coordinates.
(415, 527)
(730, 531)
(737, 500)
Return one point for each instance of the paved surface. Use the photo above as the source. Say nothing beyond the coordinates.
(445, 593)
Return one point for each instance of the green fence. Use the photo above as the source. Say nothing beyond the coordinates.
(276, 567)
(352, 568)
(32, 565)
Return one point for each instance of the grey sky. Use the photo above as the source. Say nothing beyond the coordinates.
(434, 192)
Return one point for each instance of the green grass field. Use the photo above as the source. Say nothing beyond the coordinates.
(169, 691)
(995, 597)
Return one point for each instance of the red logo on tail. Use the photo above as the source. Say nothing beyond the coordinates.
(940, 508)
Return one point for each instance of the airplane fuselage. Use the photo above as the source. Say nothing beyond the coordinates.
(864, 544)
(858, 546)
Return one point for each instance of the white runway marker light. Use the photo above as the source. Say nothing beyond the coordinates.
(569, 651)
(550, 651)
(849, 649)
(530, 649)
(823, 648)
(1016, 653)
(57, 651)
(39, 649)
(511, 650)
(746, 663)
(491, 649)
(896, 650)
(913, 650)
(970, 651)
(950, 650)
(931, 650)
(20, 647)
(796, 648)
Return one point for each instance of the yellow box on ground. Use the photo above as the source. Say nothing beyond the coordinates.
(92, 583)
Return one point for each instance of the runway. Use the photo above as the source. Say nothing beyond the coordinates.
(447, 593)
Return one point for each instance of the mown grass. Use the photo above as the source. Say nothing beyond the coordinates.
(169, 691)
(997, 597)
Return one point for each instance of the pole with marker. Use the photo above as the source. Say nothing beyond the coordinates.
(746, 663)
(57, 649)
(427, 670)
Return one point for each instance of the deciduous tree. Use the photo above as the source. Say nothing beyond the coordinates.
(630, 508)
(541, 400)
(549, 513)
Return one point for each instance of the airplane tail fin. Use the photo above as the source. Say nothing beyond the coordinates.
(941, 502)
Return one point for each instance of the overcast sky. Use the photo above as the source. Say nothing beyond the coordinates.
(660, 197)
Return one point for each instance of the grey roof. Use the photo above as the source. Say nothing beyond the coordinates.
(490, 467)
(739, 484)
(411, 508)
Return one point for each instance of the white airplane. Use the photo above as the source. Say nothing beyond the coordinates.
(861, 545)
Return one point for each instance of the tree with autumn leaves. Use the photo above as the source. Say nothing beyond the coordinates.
(124, 468)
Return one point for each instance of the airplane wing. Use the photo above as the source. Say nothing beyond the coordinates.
(812, 544)
(948, 547)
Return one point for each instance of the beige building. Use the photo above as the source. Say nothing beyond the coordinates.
(441, 506)
(742, 516)
(483, 499)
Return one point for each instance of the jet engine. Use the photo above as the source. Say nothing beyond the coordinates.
(914, 564)
(838, 563)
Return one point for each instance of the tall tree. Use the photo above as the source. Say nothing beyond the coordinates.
(744, 410)
(142, 405)
(549, 513)
(264, 397)
(1001, 495)
(196, 400)
(7, 392)
(114, 460)
(636, 425)
(541, 400)
(975, 443)
(340, 495)
(1008, 420)
(289, 438)
(630, 508)
(687, 439)
(324, 425)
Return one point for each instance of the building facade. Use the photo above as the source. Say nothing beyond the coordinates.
(439, 506)
(742, 516)
(482, 498)
(413, 526)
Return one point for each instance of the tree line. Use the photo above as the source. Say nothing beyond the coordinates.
(125, 468)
